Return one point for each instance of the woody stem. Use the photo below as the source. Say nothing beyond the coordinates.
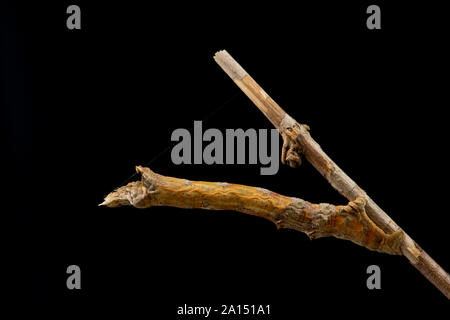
(301, 141)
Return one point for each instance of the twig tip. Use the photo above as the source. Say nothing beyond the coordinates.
(229, 65)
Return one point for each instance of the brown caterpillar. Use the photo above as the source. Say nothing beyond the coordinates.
(348, 222)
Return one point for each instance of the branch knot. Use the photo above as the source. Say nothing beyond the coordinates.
(291, 150)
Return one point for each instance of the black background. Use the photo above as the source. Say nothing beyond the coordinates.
(83, 107)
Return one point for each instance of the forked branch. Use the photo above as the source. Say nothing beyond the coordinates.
(374, 230)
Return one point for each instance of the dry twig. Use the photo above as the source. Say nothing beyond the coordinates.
(297, 140)
(374, 230)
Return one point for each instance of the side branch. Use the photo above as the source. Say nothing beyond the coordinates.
(349, 222)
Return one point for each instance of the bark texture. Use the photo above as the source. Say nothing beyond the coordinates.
(298, 141)
(349, 222)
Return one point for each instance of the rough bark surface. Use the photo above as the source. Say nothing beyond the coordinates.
(298, 141)
(349, 222)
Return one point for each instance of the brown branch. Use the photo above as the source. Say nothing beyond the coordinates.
(348, 222)
(298, 140)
